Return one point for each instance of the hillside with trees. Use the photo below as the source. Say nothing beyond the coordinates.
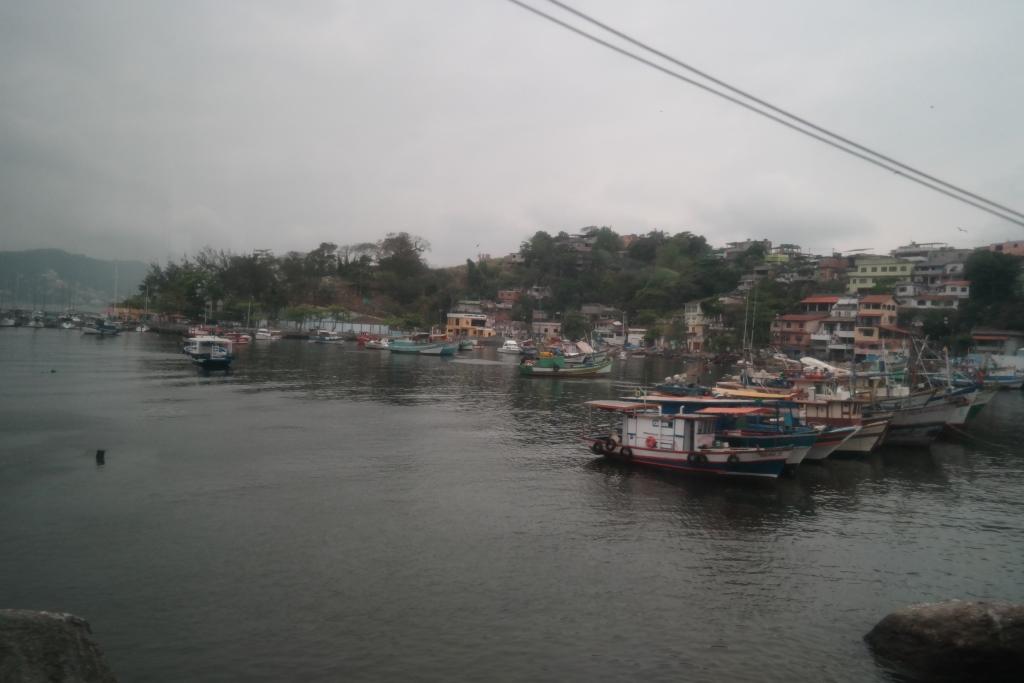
(55, 279)
(652, 277)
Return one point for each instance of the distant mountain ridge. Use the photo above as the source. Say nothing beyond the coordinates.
(57, 280)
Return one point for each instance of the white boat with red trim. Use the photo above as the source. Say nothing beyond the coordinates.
(681, 442)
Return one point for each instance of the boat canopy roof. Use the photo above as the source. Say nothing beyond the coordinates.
(747, 393)
(634, 408)
(620, 406)
(736, 410)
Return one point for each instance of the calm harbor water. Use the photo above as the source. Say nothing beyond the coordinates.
(326, 513)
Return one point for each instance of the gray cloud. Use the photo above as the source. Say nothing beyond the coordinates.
(146, 130)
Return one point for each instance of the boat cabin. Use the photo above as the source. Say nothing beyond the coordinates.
(834, 411)
(642, 426)
(208, 347)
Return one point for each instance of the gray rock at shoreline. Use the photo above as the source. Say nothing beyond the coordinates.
(953, 640)
(49, 647)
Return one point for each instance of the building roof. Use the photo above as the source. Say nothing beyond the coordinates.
(990, 330)
(876, 299)
(820, 299)
(799, 317)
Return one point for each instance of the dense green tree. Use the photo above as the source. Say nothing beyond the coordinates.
(574, 325)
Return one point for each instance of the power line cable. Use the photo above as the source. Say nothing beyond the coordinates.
(768, 105)
(745, 105)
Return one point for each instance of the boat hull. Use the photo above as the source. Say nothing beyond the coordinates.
(212, 363)
(981, 400)
(574, 370)
(440, 350)
(829, 441)
(920, 426)
(799, 444)
(756, 463)
(867, 439)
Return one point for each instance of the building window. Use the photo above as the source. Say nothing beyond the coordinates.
(874, 269)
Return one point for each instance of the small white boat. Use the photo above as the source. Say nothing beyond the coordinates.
(378, 344)
(7, 321)
(210, 352)
(267, 334)
(510, 346)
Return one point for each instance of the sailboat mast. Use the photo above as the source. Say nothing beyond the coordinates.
(746, 312)
(753, 319)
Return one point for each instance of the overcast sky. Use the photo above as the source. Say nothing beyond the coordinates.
(150, 129)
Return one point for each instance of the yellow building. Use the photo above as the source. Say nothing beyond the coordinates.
(472, 325)
(870, 271)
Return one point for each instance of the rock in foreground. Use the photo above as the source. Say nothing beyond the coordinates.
(953, 640)
(49, 647)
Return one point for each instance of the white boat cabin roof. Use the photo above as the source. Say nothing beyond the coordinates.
(736, 410)
(696, 400)
(634, 408)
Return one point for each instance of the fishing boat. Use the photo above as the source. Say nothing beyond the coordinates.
(267, 334)
(381, 344)
(238, 338)
(921, 425)
(841, 413)
(510, 346)
(764, 427)
(325, 337)
(8, 321)
(981, 399)
(682, 442)
(467, 344)
(210, 352)
(748, 422)
(414, 343)
(829, 440)
(550, 365)
(440, 348)
(424, 343)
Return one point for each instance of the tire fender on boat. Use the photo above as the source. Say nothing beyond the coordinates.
(691, 458)
(733, 459)
(609, 446)
(702, 459)
(596, 448)
(626, 452)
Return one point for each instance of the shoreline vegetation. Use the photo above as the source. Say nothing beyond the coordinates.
(646, 279)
